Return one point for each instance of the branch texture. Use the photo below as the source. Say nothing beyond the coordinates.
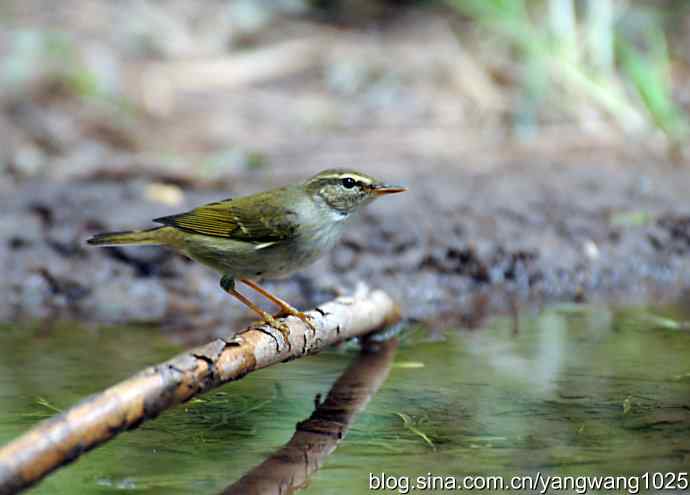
(63, 438)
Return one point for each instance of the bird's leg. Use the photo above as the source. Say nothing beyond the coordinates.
(228, 285)
(285, 307)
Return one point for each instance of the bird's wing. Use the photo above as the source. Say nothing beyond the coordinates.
(253, 219)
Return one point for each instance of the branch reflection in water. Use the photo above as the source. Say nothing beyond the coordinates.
(290, 467)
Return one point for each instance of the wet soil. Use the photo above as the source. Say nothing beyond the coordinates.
(457, 244)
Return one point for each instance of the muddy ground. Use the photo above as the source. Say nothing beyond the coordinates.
(454, 245)
(491, 222)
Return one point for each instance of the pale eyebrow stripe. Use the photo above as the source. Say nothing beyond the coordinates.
(358, 178)
(334, 176)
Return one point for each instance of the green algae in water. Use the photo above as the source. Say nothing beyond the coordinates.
(577, 391)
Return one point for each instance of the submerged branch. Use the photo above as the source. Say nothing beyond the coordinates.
(290, 467)
(124, 406)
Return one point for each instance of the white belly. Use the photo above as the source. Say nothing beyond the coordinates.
(270, 260)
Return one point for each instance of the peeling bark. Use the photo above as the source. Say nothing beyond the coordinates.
(290, 467)
(124, 406)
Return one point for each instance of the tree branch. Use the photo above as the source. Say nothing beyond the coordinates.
(124, 406)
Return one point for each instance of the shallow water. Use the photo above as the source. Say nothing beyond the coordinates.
(575, 390)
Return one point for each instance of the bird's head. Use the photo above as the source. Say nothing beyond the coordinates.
(346, 191)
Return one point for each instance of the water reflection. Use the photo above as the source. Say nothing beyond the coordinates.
(536, 369)
(316, 438)
(578, 390)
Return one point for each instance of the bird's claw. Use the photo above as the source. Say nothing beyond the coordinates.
(272, 322)
(308, 320)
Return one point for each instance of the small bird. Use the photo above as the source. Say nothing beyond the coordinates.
(271, 234)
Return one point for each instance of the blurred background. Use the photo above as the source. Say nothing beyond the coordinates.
(545, 146)
(204, 90)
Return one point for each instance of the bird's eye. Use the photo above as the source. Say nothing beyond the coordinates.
(348, 182)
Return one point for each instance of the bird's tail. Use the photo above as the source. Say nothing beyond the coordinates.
(148, 236)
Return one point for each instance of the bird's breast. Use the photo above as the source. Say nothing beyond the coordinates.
(313, 242)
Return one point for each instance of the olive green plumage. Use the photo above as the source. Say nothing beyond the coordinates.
(265, 235)
(269, 234)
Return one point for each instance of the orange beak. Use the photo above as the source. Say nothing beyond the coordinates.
(381, 189)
